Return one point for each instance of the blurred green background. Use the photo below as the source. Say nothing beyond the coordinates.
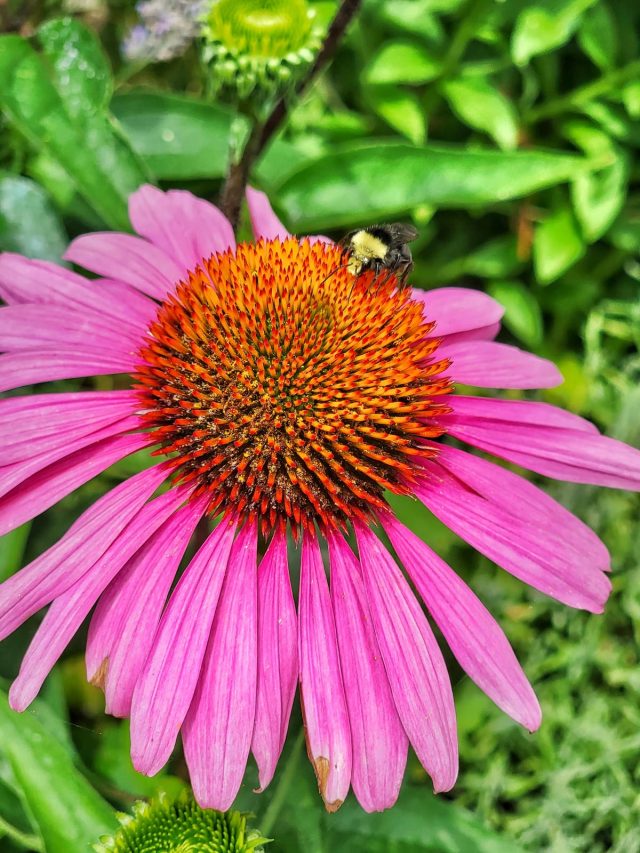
(508, 133)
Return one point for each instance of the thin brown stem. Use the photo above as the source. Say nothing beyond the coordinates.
(236, 182)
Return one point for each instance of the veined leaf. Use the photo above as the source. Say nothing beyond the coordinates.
(364, 183)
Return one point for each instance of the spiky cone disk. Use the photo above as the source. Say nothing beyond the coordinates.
(257, 49)
(288, 393)
(180, 826)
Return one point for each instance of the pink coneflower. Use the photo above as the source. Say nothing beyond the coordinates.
(284, 398)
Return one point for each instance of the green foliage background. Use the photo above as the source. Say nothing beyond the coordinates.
(508, 132)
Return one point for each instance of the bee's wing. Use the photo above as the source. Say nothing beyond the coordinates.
(402, 232)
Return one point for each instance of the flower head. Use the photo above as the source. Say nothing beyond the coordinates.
(180, 826)
(280, 395)
(258, 48)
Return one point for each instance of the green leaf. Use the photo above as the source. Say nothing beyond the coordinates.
(45, 97)
(544, 26)
(417, 17)
(28, 222)
(402, 62)
(112, 760)
(557, 245)
(80, 71)
(179, 138)
(598, 37)
(625, 231)
(280, 160)
(480, 105)
(631, 98)
(12, 547)
(68, 812)
(402, 110)
(383, 181)
(418, 823)
(522, 315)
(598, 197)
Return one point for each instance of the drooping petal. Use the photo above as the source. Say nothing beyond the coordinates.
(415, 667)
(32, 326)
(484, 333)
(378, 739)
(49, 485)
(18, 369)
(324, 705)
(126, 258)
(122, 629)
(140, 308)
(58, 568)
(23, 280)
(472, 633)
(504, 412)
(264, 222)
(50, 419)
(565, 454)
(167, 683)
(487, 364)
(458, 309)
(535, 554)
(187, 227)
(70, 608)
(277, 657)
(17, 472)
(218, 727)
(524, 500)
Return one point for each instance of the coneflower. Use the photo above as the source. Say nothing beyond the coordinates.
(285, 399)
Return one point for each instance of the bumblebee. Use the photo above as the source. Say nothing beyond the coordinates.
(378, 248)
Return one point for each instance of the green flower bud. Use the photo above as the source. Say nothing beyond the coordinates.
(258, 49)
(180, 826)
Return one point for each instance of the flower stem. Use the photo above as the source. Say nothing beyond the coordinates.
(261, 134)
(284, 783)
(586, 93)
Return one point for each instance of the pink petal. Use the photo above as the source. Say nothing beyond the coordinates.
(324, 705)
(217, 730)
(41, 282)
(379, 741)
(58, 568)
(277, 657)
(578, 457)
(31, 326)
(522, 499)
(458, 309)
(150, 269)
(471, 409)
(167, 683)
(264, 222)
(472, 633)
(484, 333)
(413, 661)
(45, 365)
(535, 554)
(189, 228)
(48, 420)
(121, 633)
(15, 473)
(140, 309)
(46, 487)
(486, 364)
(69, 610)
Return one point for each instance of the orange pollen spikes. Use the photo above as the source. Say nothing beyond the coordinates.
(288, 390)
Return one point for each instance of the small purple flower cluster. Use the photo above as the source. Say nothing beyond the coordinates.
(166, 29)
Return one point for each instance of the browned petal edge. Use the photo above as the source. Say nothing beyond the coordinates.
(322, 767)
(100, 675)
